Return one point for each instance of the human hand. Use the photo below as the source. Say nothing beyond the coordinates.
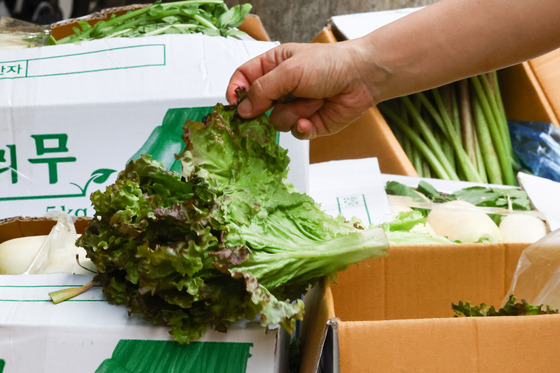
(324, 84)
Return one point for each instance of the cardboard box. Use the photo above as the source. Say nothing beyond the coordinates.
(394, 315)
(72, 116)
(87, 334)
(529, 92)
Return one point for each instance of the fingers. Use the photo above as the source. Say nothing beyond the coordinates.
(246, 74)
(269, 88)
(266, 79)
(244, 77)
(304, 129)
(286, 116)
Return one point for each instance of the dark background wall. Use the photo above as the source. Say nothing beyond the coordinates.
(302, 20)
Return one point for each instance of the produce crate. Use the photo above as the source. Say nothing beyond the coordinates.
(394, 315)
(88, 334)
(529, 92)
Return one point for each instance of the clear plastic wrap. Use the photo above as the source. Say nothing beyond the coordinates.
(537, 276)
(58, 252)
(17, 34)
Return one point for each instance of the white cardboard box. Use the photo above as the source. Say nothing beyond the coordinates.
(71, 116)
(87, 334)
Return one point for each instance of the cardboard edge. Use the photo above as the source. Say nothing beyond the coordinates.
(538, 87)
(533, 104)
(325, 36)
(486, 344)
(21, 226)
(254, 27)
(319, 310)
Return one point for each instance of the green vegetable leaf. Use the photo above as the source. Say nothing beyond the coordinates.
(233, 17)
(429, 191)
(511, 308)
(399, 189)
(405, 221)
(514, 198)
(228, 239)
(210, 17)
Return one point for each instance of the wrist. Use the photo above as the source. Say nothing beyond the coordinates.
(370, 65)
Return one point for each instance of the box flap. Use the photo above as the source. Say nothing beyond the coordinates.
(478, 344)
(546, 69)
(523, 96)
(353, 26)
(402, 285)
(176, 69)
(25, 226)
(318, 311)
(544, 195)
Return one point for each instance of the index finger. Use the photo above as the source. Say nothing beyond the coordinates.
(246, 74)
(243, 77)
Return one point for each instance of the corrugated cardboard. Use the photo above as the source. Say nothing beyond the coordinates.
(545, 74)
(529, 92)
(394, 314)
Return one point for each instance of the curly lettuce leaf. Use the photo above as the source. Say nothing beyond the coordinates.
(227, 240)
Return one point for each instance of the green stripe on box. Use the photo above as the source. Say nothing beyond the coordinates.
(2, 365)
(144, 356)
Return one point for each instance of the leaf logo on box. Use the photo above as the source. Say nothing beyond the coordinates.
(98, 176)
(151, 356)
(2, 365)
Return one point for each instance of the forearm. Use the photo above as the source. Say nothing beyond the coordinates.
(454, 39)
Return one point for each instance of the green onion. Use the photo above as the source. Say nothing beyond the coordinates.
(458, 131)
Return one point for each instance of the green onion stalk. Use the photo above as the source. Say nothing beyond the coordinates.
(458, 131)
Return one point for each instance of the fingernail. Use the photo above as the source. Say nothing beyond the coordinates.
(245, 107)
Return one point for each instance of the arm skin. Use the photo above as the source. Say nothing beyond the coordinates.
(331, 85)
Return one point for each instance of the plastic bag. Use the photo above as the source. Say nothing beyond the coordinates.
(537, 145)
(58, 252)
(537, 277)
(17, 34)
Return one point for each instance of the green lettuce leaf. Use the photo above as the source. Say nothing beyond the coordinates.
(227, 240)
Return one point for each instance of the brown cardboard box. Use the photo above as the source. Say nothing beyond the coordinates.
(529, 92)
(23, 227)
(394, 314)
